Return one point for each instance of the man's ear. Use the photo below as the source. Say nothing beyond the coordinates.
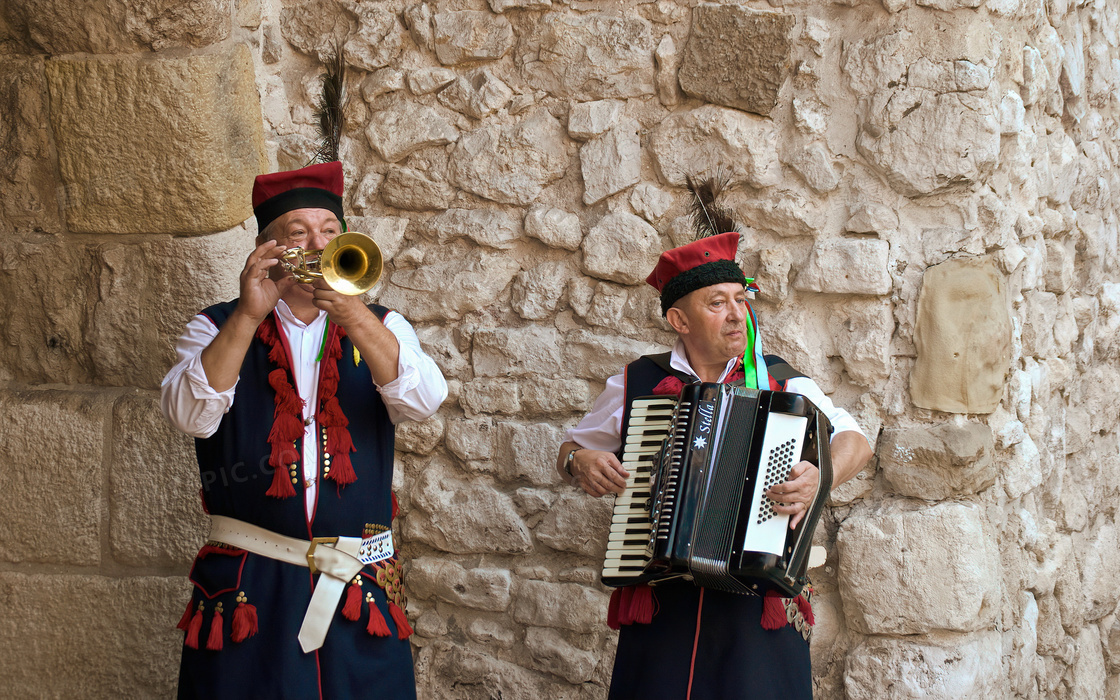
(677, 319)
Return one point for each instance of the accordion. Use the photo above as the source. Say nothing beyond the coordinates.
(695, 505)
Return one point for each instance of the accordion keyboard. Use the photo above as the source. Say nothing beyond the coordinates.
(628, 545)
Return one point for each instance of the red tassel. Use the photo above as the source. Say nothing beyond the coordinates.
(376, 625)
(612, 609)
(669, 386)
(286, 428)
(194, 628)
(353, 608)
(773, 612)
(396, 508)
(806, 609)
(625, 613)
(331, 414)
(641, 605)
(185, 620)
(281, 484)
(244, 622)
(404, 630)
(214, 641)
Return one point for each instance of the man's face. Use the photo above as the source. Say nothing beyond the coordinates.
(712, 322)
(310, 229)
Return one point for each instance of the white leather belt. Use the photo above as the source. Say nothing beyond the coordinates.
(336, 558)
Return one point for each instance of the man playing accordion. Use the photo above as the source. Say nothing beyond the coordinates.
(688, 641)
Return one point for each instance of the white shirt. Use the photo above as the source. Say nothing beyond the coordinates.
(601, 429)
(193, 406)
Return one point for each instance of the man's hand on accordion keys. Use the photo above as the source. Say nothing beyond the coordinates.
(794, 496)
(598, 473)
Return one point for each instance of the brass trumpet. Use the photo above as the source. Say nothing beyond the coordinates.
(351, 263)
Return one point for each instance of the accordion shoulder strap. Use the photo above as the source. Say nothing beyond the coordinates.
(776, 367)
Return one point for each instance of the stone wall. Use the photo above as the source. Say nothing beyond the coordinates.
(925, 191)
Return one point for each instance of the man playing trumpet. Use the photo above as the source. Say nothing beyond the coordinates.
(292, 391)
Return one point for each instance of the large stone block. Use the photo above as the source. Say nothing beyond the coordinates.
(910, 572)
(90, 636)
(564, 605)
(591, 56)
(106, 312)
(537, 292)
(464, 516)
(847, 266)
(528, 453)
(611, 162)
(963, 337)
(469, 35)
(516, 352)
(555, 655)
(862, 332)
(155, 517)
(370, 37)
(406, 127)
(577, 523)
(953, 668)
(27, 173)
(938, 462)
(56, 27)
(622, 248)
(164, 145)
(53, 451)
(511, 164)
(708, 139)
(448, 289)
(595, 356)
(737, 57)
(486, 226)
(451, 671)
(480, 589)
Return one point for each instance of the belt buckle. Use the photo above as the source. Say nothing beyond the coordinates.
(315, 541)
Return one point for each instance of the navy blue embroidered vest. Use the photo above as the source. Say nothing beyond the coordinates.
(233, 462)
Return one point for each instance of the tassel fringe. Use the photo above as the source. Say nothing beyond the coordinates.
(244, 622)
(376, 625)
(214, 641)
(185, 620)
(353, 608)
(194, 628)
(773, 612)
(404, 630)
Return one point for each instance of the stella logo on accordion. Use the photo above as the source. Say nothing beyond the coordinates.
(695, 504)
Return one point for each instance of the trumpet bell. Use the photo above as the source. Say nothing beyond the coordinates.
(351, 263)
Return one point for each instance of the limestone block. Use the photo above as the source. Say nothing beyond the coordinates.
(1099, 562)
(887, 558)
(516, 352)
(871, 217)
(511, 164)
(464, 517)
(314, 26)
(772, 276)
(469, 35)
(476, 95)
(1011, 114)
(553, 654)
(589, 56)
(555, 228)
(27, 174)
(737, 57)
(1022, 472)
(480, 589)
(54, 446)
(650, 202)
(953, 668)
(963, 337)
(533, 501)
(416, 190)
(418, 19)
(178, 141)
(386, 80)
(155, 516)
(387, 231)
(937, 462)
(46, 654)
(448, 289)
(487, 227)
(376, 41)
(622, 248)
(272, 45)
(438, 342)
(494, 395)
(586, 120)
(424, 81)
(861, 332)
(528, 453)
(58, 27)
(814, 165)
(785, 213)
(501, 6)
(567, 606)
(405, 127)
(1089, 671)
(847, 266)
(553, 396)
(577, 523)
(490, 632)
(668, 59)
(959, 133)
(451, 671)
(471, 439)
(710, 138)
(420, 437)
(536, 293)
(611, 162)
(595, 356)
(1059, 267)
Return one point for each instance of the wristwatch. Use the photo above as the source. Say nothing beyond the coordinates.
(568, 462)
